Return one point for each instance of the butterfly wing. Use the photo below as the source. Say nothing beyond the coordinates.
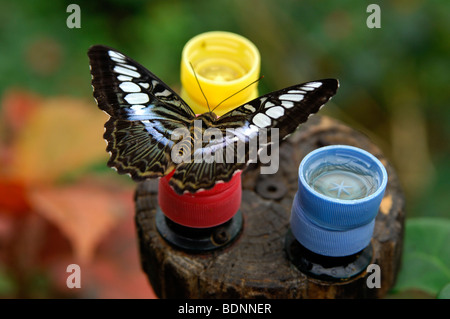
(285, 109)
(144, 113)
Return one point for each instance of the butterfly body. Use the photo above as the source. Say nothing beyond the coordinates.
(152, 131)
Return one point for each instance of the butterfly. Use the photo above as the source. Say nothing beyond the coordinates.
(145, 113)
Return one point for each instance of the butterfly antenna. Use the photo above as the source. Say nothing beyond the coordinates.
(200, 87)
(262, 76)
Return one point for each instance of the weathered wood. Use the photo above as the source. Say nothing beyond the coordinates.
(256, 264)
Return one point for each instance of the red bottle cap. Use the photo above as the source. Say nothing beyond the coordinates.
(203, 209)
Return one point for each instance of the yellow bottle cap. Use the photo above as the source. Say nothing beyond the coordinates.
(224, 63)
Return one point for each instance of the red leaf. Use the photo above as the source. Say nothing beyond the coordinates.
(13, 197)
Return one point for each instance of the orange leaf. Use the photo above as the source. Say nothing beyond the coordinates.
(84, 214)
(63, 135)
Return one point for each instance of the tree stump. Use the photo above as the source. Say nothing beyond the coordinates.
(256, 264)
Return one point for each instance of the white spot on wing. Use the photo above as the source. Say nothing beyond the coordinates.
(261, 120)
(118, 60)
(292, 97)
(249, 107)
(125, 71)
(124, 78)
(314, 84)
(269, 104)
(287, 104)
(275, 112)
(296, 91)
(136, 98)
(114, 54)
(129, 87)
(144, 85)
(163, 93)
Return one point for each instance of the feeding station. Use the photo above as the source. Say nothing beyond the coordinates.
(249, 251)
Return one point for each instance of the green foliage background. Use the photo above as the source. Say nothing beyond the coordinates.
(394, 80)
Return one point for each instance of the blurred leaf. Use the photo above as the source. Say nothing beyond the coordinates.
(17, 107)
(426, 257)
(445, 292)
(84, 214)
(64, 134)
(13, 197)
(7, 285)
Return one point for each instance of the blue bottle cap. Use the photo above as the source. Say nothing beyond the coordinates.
(340, 191)
(328, 242)
(341, 187)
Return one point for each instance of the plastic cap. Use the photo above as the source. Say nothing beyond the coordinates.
(341, 187)
(203, 209)
(224, 63)
(340, 191)
(328, 242)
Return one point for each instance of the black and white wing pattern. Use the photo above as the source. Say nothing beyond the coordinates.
(144, 114)
(284, 110)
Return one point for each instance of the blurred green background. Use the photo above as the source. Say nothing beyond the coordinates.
(394, 80)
